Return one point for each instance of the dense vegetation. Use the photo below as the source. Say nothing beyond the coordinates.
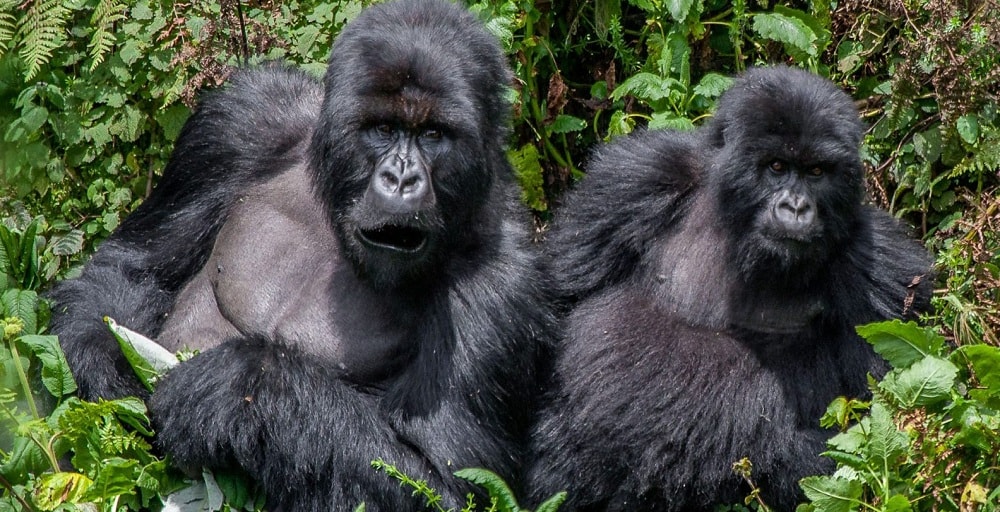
(93, 92)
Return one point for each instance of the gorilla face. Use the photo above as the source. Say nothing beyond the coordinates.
(788, 174)
(410, 140)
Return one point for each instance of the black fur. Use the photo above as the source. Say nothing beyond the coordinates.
(704, 326)
(427, 361)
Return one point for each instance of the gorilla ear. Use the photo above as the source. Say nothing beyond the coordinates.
(715, 130)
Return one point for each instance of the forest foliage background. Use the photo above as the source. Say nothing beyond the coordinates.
(94, 92)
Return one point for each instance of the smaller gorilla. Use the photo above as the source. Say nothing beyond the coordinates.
(349, 258)
(715, 280)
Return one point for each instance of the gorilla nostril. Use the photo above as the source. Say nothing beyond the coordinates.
(412, 184)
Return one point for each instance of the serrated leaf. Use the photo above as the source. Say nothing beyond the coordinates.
(148, 359)
(712, 85)
(645, 86)
(21, 304)
(56, 375)
(172, 119)
(787, 30)
(67, 244)
(679, 9)
(830, 494)
(901, 343)
(885, 442)
(620, 124)
(497, 488)
(566, 124)
(897, 503)
(528, 170)
(925, 382)
(669, 121)
(54, 489)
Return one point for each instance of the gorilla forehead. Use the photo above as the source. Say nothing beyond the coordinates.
(792, 112)
(418, 60)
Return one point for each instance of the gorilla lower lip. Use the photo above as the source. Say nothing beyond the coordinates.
(396, 238)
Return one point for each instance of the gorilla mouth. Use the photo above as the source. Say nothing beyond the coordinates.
(395, 238)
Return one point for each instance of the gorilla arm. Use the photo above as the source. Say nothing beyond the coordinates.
(332, 375)
(233, 138)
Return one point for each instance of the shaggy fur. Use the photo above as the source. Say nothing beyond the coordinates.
(707, 323)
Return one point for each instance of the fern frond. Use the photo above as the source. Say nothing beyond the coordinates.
(106, 14)
(986, 160)
(41, 31)
(8, 24)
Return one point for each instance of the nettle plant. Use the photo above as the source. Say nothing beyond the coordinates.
(930, 437)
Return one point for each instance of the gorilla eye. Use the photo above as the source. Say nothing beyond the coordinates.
(816, 171)
(432, 134)
(384, 129)
(777, 166)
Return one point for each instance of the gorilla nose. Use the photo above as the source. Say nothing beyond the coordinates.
(795, 212)
(402, 187)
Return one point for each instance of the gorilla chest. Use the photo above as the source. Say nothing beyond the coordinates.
(276, 271)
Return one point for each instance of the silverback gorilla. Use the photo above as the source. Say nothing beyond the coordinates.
(717, 277)
(350, 260)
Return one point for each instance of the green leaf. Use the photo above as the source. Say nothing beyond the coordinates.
(67, 244)
(897, 503)
(886, 444)
(56, 375)
(670, 121)
(679, 9)
(54, 489)
(645, 86)
(552, 504)
(985, 362)
(171, 120)
(148, 359)
(968, 128)
(787, 30)
(902, 344)
(530, 176)
(498, 489)
(926, 382)
(566, 124)
(22, 304)
(831, 494)
(712, 85)
(620, 124)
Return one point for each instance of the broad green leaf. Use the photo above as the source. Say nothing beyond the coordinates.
(670, 121)
(712, 85)
(787, 30)
(926, 382)
(148, 359)
(679, 9)
(985, 362)
(830, 494)
(968, 128)
(22, 304)
(54, 489)
(56, 375)
(67, 244)
(886, 444)
(566, 124)
(646, 86)
(897, 503)
(902, 344)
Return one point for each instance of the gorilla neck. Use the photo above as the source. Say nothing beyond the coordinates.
(697, 279)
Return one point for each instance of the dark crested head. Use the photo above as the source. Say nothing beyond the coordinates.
(411, 137)
(788, 173)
